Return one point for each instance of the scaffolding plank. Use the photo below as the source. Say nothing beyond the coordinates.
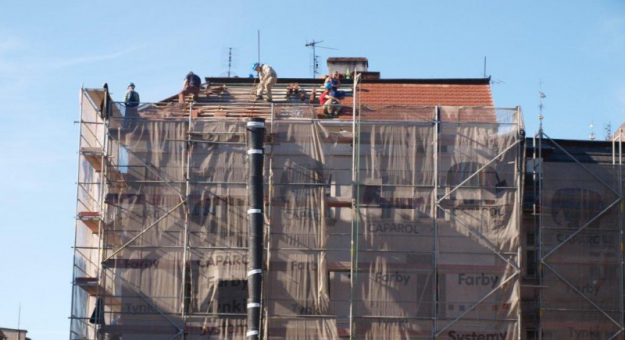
(92, 286)
(134, 329)
(91, 219)
(339, 202)
(93, 156)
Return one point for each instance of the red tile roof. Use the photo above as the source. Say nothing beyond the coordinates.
(381, 99)
(426, 94)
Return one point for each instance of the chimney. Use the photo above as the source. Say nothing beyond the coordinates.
(350, 66)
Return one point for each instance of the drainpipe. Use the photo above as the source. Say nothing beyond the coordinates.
(255, 142)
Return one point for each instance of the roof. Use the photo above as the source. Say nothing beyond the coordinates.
(426, 94)
(584, 151)
(379, 95)
(412, 92)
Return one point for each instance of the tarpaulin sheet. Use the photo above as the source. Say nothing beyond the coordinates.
(405, 229)
(581, 255)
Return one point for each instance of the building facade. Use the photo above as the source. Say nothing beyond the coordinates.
(407, 216)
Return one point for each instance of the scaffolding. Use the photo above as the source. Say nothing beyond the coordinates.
(574, 232)
(399, 223)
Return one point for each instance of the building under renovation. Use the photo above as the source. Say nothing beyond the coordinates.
(420, 212)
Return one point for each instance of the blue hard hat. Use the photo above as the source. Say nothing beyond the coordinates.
(255, 66)
(131, 84)
(328, 86)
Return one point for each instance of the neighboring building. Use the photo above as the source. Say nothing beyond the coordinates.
(13, 334)
(408, 216)
(572, 284)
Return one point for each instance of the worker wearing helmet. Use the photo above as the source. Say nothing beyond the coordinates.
(267, 79)
(331, 105)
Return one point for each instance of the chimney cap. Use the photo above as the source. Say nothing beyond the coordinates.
(348, 60)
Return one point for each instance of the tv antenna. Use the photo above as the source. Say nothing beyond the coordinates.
(315, 58)
(229, 59)
(541, 96)
(591, 126)
(607, 128)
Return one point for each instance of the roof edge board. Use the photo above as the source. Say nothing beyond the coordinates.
(442, 81)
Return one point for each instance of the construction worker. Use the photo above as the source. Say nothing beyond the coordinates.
(131, 102)
(267, 78)
(191, 85)
(333, 79)
(335, 82)
(331, 105)
(132, 96)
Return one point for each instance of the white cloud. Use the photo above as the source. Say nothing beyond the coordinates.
(30, 63)
(10, 44)
(92, 59)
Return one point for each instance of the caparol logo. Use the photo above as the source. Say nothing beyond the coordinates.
(573, 207)
(393, 227)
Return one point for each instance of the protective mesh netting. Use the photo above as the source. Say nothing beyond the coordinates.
(581, 255)
(405, 229)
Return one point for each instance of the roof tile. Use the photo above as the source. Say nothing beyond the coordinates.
(426, 94)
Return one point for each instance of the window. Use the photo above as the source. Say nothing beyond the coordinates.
(531, 264)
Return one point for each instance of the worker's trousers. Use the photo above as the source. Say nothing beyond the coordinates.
(265, 86)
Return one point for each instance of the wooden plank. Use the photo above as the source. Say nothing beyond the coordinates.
(339, 202)
(92, 286)
(94, 157)
(140, 329)
(91, 219)
(88, 284)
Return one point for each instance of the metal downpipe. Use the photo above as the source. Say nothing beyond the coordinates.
(255, 140)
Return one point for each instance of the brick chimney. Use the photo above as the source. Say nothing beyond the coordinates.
(353, 65)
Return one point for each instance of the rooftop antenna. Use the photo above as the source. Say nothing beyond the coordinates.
(484, 66)
(592, 132)
(230, 60)
(541, 96)
(315, 60)
(607, 128)
(19, 320)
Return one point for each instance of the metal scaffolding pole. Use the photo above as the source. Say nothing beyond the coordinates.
(540, 224)
(268, 214)
(186, 263)
(434, 213)
(74, 269)
(619, 166)
(355, 205)
(520, 169)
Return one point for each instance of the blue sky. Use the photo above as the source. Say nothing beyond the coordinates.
(48, 49)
